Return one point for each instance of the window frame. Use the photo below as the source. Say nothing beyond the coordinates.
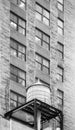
(61, 28)
(43, 82)
(42, 39)
(42, 14)
(61, 51)
(61, 98)
(17, 99)
(61, 75)
(16, 76)
(17, 3)
(23, 3)
(42, 66)
(17, 23)
(17, 49)
(61, 4)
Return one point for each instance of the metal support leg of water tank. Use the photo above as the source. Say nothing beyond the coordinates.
(61, 121)
(35, 116)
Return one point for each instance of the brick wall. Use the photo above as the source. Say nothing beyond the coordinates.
(69, 58)
(4, 61)
(18, 126)
(30, 41)
(53, 51)
(4, 124)
(4, 54)
(69, 84)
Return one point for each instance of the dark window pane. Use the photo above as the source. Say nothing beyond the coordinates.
(13, 77)
(21, 30)
(17, 23)
(45, 45)
(45, 62)
(39, 9)
(13, 52)
(13, 104)
(21, 100)
(60, 27)
(42, 14)
(13, 96)
(18, 50)
(38, 41)
(38, 58)
(60, 73)
(13, 25)
(42, 64)
(21, 56)
(60, 6)
(46, 13)
(21, 23)
(17, 75)
(42, 39)
(60, 99)
(38, 66)
(61, 1)
(46, 38)
(38, 16)
(21, 81)
(38, 33)
(45, 69)
(60, 55)
(13, 44)
(60, 23)
(21, 48)
(16, 100)
(46, 21)
(13, 18)
(21, 74)
(21, 5)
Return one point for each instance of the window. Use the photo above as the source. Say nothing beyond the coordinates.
(18, 24)
(42, 39)
(18, 50)
(61, 5)
(57, 124)
(60, 99)
(60, 73)
(16, 100)
(42, 14)
(42, 64)
(17, 75)
(43, 82)
(21, 3)
(60, 27)
(60, 50)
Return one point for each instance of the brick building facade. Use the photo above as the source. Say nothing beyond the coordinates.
(37, 42)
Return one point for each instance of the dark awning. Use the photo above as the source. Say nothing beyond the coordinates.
(26, 112)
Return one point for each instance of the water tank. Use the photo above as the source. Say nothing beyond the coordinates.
(39, 91)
